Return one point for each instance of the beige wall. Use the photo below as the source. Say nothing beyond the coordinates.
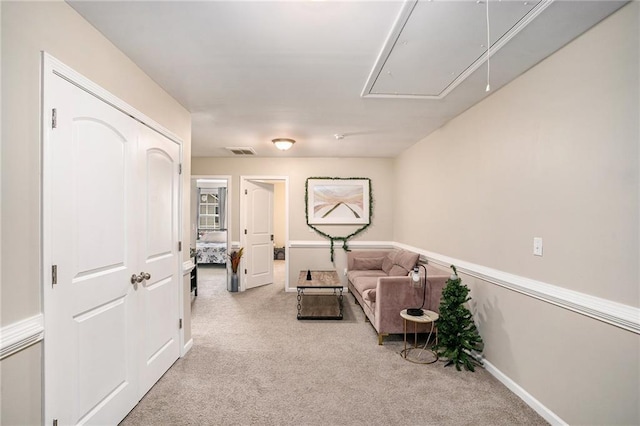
(27, 29)
(554, 155)
(380, 171)
(20, 387)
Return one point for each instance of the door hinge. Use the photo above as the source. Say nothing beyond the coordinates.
(54, 275)
(180, 323)
(54, 118)
(180, 168)
(179, 245)
(245, 271)
(246, 192)
(245, 232)
(55, 422)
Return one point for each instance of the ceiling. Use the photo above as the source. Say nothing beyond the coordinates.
(383, 74)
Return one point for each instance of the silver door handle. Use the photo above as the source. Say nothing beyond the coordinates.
(139, 278)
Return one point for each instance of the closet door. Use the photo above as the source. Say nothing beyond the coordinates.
(158, 177)
(91, 326)
(111, 223)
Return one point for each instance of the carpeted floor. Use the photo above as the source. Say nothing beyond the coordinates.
(254, 363)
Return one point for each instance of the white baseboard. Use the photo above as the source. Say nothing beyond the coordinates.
(532, 402)
(20, 335)
(613, 313)
(186, 348)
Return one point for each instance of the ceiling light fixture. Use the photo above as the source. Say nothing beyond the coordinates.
(283, 144)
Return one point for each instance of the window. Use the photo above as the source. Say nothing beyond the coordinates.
(209, 212)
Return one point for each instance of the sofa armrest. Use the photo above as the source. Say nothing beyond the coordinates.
(393, 294)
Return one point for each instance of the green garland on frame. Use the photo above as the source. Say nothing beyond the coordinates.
(345, 239)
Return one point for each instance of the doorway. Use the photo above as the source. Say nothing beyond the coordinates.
(252, 215)
(210, 222)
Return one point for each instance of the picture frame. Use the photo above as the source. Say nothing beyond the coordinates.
(338, 201)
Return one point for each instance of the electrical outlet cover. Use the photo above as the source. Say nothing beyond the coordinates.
(537, 246)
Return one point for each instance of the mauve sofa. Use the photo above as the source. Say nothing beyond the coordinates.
(380, 283)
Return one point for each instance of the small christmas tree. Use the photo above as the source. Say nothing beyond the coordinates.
(457, 333)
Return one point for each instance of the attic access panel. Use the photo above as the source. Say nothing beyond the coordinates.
(435, 45)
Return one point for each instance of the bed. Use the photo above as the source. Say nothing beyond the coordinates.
(211, 247)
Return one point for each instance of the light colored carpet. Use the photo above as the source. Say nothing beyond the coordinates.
(254, 363)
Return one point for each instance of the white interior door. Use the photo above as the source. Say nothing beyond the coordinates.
(90, 313)
(259, 231)
(111, 212)
(158, 203)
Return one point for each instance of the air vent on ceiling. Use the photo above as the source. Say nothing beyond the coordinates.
(240, 150)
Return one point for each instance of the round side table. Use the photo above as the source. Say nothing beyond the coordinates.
(425, 318)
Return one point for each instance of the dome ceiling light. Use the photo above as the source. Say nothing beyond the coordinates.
(283, 144)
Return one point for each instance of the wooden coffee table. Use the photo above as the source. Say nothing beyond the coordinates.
(314, 299)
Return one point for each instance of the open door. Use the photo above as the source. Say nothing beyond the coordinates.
(258, 263)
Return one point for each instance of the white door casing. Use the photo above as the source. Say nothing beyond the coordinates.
(110, 210)
(259, 233)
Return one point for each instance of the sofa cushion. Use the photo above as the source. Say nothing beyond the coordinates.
(369, 295)
(362, 284)
(365, 263)
(387, 263)
(353, 275)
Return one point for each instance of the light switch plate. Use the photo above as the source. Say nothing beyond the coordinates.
(537, 246)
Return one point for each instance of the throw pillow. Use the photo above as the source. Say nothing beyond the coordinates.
(387, 263)
(406, 259)
(369, 295)
(367, 263)
(397, 271)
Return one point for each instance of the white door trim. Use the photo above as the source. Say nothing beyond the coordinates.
(243, 219)
(52, 68)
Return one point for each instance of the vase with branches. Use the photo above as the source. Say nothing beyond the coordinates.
(235, 256)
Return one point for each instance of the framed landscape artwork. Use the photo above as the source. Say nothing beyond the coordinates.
(338, 201)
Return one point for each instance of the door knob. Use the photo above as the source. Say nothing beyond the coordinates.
(139, 278)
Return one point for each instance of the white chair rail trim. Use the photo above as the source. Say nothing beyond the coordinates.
(614, 313)
(338, 245)
(20, 335)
